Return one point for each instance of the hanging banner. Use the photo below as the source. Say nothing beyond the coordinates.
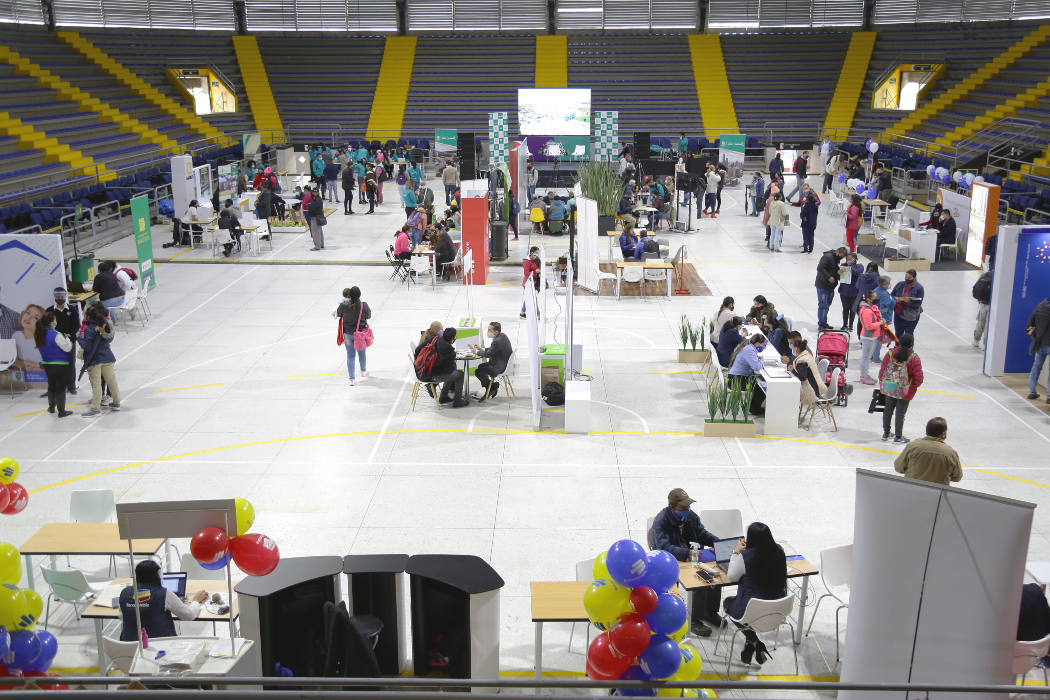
(445, 140)
(31, 269)
(251, 143)
(731, 150)
(984, 218)
(606, 135)
(228, 179)
(143, 241)
(499, 138)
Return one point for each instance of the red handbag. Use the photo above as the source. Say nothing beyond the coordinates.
(339, 332)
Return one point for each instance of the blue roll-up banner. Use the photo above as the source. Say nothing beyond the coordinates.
(1031, 285)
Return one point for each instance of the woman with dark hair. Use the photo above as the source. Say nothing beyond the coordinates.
(776, 329)
(729, 337)
(446, 253)
(759, 569)
(99, 360)
(745, 363)
(355, 314)
(808, 222)
(899, 378)
(805, 368)
(54, 350)
(854, 218)
(315, 210)
(935, 218)
(155, 605)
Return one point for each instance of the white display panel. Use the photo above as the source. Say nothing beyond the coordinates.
(977, 224)
(554, 111)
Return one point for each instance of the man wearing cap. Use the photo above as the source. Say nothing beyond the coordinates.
(673, 529)
(67, 321)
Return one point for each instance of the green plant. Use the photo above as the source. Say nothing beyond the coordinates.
(749, 392)
(684, 330)
(734, 399)
(702, 327)
(693, 336)
(601, 182)
(713, 400)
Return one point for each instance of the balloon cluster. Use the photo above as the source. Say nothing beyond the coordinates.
(872, 146)
(255, 555)
(13, 497)
(23, 650)
(643, 624)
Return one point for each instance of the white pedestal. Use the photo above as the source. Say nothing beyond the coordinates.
(783, 396)
(577, 407)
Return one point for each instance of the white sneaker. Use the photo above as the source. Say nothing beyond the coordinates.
(977, 343)
(364, 373)
(353, 382)
(106, 400)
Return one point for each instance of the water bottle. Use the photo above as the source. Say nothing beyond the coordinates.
(694, 554)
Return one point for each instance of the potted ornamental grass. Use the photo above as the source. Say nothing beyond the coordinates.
(601, 182)
(694, 340)
(728, 406)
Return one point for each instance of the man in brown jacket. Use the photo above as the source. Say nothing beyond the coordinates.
(930, 459)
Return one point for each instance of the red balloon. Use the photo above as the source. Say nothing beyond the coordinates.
(59, 686)
(644, 600)
(604, 659)
(209, 545)
(255, 554)
(595, 676)
(5, 497)
(18, 501)
(7, 673)
(630, 635)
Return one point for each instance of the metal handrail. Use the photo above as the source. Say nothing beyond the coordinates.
(931, 56)
(227, 83)
(793, 129)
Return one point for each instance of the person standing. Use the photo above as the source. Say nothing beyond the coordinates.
(67, 317)
(381, 177)
(355, 314)
(827, 280)
(317, 169)
(415, 174)
(851, 272)
(372, 188)
(908, 295)
(776, 167)
(800, 169)
(99, 360)
(870, 330)
(359, 173)
(1038, 329)
(886, 305)
(900, 376)
(449, 178)
(931, 458)
(825, 154)
(498, 353)
(331, 176)
(854, 217)
(711, 196)
(401, 180)
(808, 217)
(411, 201)
(348, 191)
(723, 175)
(532, 179)
(316, 211)
(982, 292)
(515, 210)
(54, 350)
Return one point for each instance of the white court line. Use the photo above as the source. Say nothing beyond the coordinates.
(993, 400)
(389, 417)
(743, 452)
(470, 425)
(645, 426)
(610, 328)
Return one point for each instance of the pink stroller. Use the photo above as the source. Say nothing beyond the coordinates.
(833, 346)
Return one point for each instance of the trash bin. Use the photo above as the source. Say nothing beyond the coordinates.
(376, 586)
(83, 268)
(498, 232)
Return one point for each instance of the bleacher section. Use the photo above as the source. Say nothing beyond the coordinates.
(647, 79)
(783, 78)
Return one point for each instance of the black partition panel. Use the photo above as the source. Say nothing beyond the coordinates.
(374, 589)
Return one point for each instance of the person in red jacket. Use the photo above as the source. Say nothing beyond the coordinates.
(532, 267)
(854, 218)
(899, 378)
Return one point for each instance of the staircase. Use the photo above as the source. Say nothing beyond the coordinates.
(257, 85)
(552, 61)
(395, 76)
(53, 151)
(139, 86)
(712, 85)
(844, 102)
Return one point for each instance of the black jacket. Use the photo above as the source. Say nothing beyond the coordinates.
(828, 267)
(348, 179)
(107, 286)
(315, 207)
(809, 216)
(1034, 623)
(446, 358)
(1040, 320)
(947, 231)
(982, 288)
(498, 352)
(673, 535)
(262, 203)
(67, 319)
(885, 180)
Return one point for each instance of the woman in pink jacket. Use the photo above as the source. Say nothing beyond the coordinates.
(402, 246)
(854, 216)
(871, 325)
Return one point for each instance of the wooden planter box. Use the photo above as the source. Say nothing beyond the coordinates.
(694, 356)
(867, 239)
(917, 264)
(742, 429)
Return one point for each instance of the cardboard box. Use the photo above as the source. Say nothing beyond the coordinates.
(548, 375)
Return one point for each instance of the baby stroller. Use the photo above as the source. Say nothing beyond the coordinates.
(833, 346)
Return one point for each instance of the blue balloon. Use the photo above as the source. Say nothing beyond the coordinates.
(635, 673)
(25, 647)
(860, 188)
(48, 649)
(669, 616)
(842, 177)
(5, 642)
(215, 565)
(661, 658)
(661, 572)
(626, 562)
(872, 193)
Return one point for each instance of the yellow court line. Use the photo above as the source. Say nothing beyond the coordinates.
(36, 413)
(826, 442)
(945, 393)
(1013, 478)
(324, 374)
(184, 388)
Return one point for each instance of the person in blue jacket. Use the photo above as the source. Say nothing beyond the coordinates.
(674, 528)
(729, 337)
(317, 168)
(415, 174)
(628, 241)
(850, 274)
(747, 364)
(908, 295)
(639, 248)
(54, 350)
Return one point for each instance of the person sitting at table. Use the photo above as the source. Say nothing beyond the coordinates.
(1034, 622)
(538, 214)
(557, 212)
(758, 567)
(776, 330)
(628, 241)
(222, 236)
(498, 352)
(189, 219)
(674, 528)
(403, 246)
(805, 369)
(445, 252)
(759, 308)
(624, 210)
(945, 232)
(934, 221)
(647, 244)
(156, 605)
(746, 363)
(445, 371)
(728, 340)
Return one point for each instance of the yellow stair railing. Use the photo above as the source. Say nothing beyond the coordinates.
(257, 86)
(552, 61)
(712, 85)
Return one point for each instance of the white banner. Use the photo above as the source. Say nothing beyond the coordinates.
(30, 270)
(532, 324)
(959, 206)
(587, 243)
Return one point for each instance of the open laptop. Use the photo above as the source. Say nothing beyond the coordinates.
(723, 551)
(175, 581)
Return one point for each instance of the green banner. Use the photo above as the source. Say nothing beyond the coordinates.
(445, 140)
(732, 142)
(143, 240)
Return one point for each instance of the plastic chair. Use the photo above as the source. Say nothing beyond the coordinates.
(791, 323)
(583, 573)
(824, 402)
(649, 533)
(1027, 656)
(762, 616)
(131, 301)
(400, 271)
(94, 506)
(120, 654)
(504, 378)
(632, 274)
(954, 247)
(723, 523)
(69, 586)
(8, 355)
(655, 276)
(420, 382)
(602, 276)
(836, 569)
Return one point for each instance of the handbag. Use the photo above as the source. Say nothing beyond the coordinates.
(362, 339)
(339, 333)
(322, 220)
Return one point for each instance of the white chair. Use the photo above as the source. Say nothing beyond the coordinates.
(1027, 656)
(836, 570)
(899, 209)
(420, 265)
(420, 382)
(504, 378)
(791, 323)
(120, 655)
(583, 573)
(762, 616)
(723, 524)
(631, 274)
(94, 506)
(649, 533)
(822, 368)
(655, 276)
(131, 301)
(602, 276)
(456, 265)
(802, 332)
(953, 246)
(143, 292)
(824, 401)
(8, 355)
(69, 586)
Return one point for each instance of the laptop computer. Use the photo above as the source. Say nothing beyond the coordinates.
(723, 551)
(175, 581)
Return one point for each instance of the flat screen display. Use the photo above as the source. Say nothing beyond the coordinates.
(554, 111)
(724, 548)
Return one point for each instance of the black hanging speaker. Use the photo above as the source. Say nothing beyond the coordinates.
(465, 145)
(641, 144)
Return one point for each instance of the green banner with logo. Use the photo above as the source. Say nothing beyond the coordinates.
(143, 240)
(445, 140)
(731, 149)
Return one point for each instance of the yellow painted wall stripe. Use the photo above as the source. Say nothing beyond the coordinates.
(257, 86)
(391, 95)
(552, 61)
(851, 81)
(712, 85)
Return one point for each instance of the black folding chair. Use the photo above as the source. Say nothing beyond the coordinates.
(400, 270)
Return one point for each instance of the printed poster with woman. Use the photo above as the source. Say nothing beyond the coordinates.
(31, 267)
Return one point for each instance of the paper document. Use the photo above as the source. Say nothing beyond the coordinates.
(109, 593)
(222, 647)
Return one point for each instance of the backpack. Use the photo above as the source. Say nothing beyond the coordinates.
(895, 380)
(658, 202)
(401, 177)
(651, 246)
(515, 208)
(981, 289)
(166, 207)
(554, 394)
(131, 273)
(426, 359)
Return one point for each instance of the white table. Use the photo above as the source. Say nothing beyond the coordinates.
(783, 394)
(1039, 571)
(432, 254)
(240, 666)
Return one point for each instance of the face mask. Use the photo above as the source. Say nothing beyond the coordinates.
(682, 514)
(59, 301)
(491, 334)
(762, 347)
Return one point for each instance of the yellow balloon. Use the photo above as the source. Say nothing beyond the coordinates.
(677, 692)
(679, 636)
(707, 693)
(245, 516)
(34, 606)
(12, 604)
(10, 564)
(605, 600)
(8, 470)
(599, 570)
(691, 663)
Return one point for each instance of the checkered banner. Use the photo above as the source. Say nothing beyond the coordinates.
(499, 145)
(606, 135)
